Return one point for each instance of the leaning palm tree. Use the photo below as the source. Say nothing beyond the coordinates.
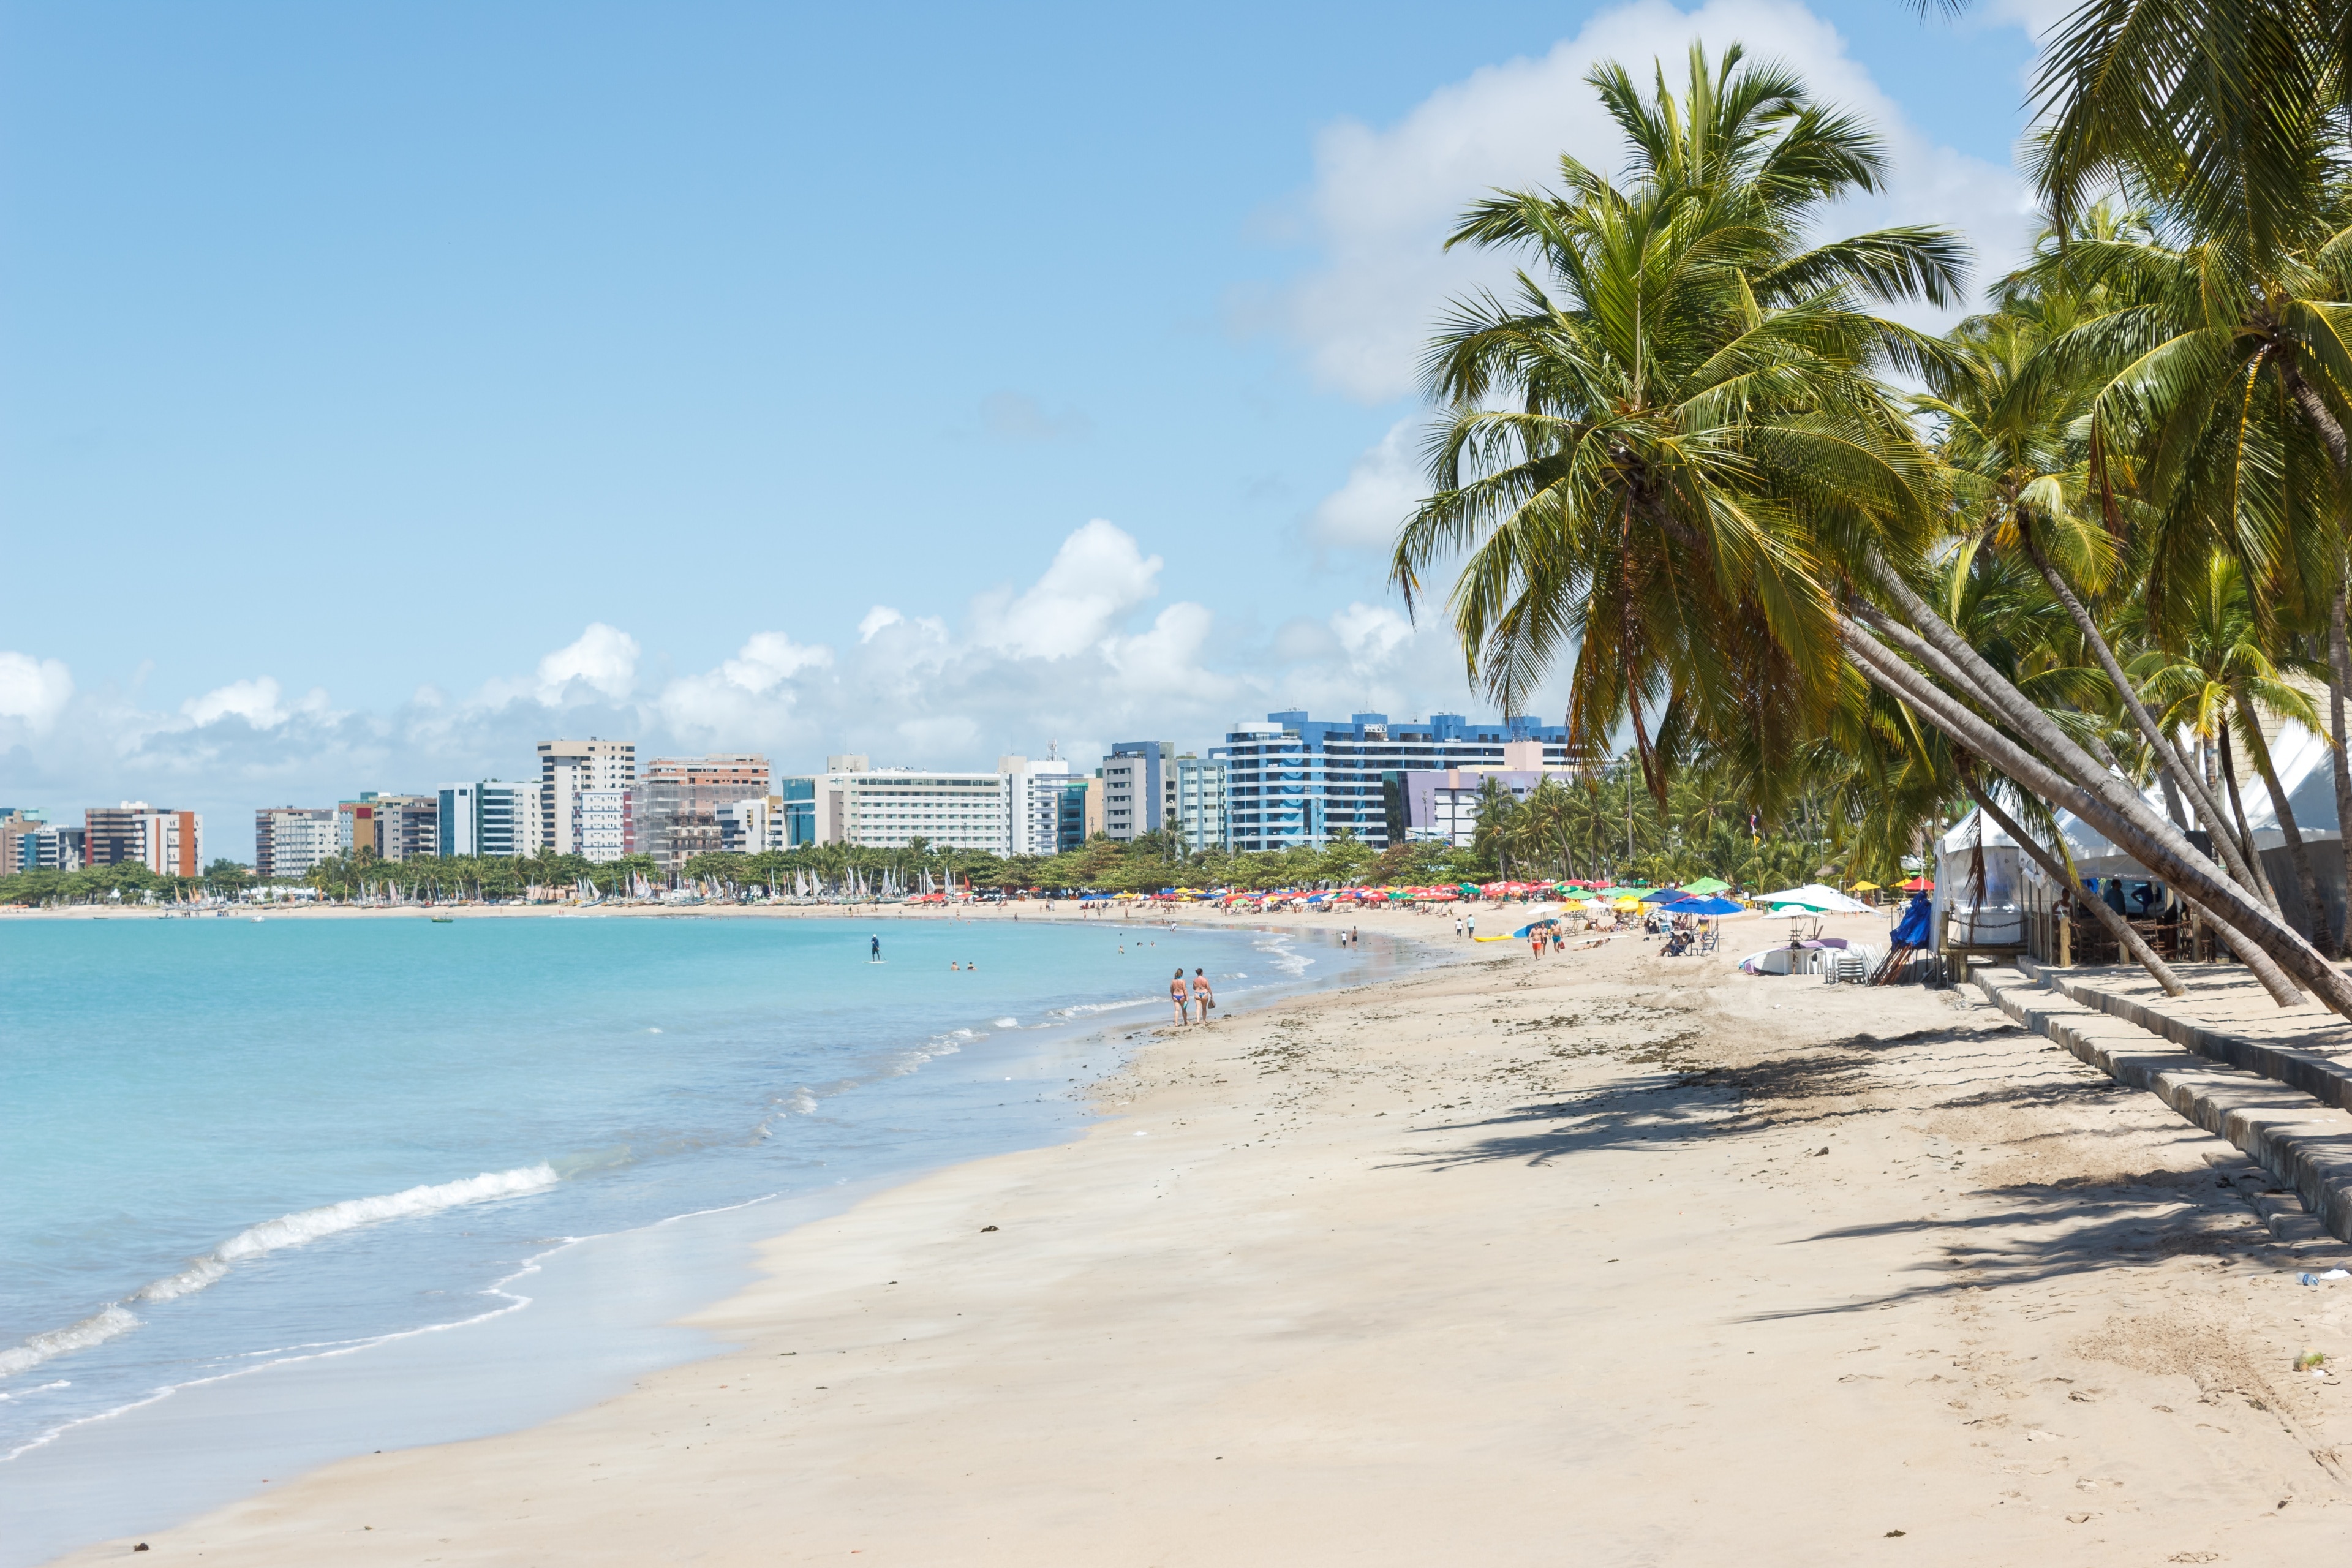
(1672, 456)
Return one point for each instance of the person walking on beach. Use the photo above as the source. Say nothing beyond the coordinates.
(1470, 923)
(1181, 997)
(1203, 997)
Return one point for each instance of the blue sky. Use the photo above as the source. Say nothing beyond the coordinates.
(388, 386)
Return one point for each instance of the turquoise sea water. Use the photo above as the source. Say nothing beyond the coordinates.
(230, 1145)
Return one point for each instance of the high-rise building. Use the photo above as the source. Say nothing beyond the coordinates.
(172, 843)
(568, 769)
(1033, 792)
(407, 826)
(604, 825)
(356, 827)
(1295, 779)
(168, 843)
(490, 817)
(678, 800)
(19, 829)
(1138, 788)
(289, 840)
(49, 848)
(1200, 816)
(112, 835)
(1078, 812)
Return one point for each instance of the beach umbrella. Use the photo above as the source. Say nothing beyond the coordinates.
(1708, 906)
(1706, 885)
(1629, 904)
(1663, 895)
(1863, 887)
(1919, 885)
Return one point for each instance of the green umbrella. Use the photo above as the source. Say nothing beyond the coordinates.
(1704, 886)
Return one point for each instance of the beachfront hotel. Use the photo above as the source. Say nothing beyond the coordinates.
(1293, 780)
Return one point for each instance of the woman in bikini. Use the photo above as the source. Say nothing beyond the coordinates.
(1203, 997)
(1180, 996)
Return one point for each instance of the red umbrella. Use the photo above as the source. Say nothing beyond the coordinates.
(1919, 885)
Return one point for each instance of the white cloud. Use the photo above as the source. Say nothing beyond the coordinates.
(1080, 653)
(771, 656)
(34, 691)
(1096, 575)
(604, 660)
(255, 702)
(1372, 635)
(1383, 486)
(1383, 200)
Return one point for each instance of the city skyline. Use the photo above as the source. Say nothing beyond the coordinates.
(409, 555)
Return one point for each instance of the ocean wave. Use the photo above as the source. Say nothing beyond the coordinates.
(255, 1241)
(1008, 1023)
(1081, 1009)
(1278, 951)
(95, 1330)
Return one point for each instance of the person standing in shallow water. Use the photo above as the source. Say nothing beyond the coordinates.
(1180, 998)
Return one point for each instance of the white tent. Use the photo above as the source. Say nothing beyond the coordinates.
(1813, 896)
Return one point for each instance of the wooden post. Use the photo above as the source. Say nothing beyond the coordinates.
(2066, 939)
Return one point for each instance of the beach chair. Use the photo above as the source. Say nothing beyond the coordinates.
(1845, 967)
(1709, 940)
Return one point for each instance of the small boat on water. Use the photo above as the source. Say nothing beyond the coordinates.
(445, 920)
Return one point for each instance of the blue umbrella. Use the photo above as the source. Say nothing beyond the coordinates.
(1704, 907)
(1664, 896)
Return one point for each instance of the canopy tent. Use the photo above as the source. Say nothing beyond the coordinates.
(1863, 887)
(1814, 897)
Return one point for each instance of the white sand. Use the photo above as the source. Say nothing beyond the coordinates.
(1519, 1262)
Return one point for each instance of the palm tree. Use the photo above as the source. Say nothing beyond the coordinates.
(1639, 444)
(1673, 456)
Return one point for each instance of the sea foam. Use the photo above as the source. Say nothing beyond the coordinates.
(254, 1241)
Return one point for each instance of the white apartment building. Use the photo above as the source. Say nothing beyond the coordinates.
(493, 817)
(1033, 791)
(569, 769)
(1199, 818)
(886, 808)
(604, 825)
(289, 841)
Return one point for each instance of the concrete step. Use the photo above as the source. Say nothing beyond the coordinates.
(2302, 1148)
(2314, 1072)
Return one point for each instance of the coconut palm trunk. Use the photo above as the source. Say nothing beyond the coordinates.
(2306, 886)
(2267, 945)
(2119, 811)
(2245, 833)
(2339, 678)
(2164, 749)
(2110, 921)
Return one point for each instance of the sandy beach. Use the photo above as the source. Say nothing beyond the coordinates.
(1601, 1258)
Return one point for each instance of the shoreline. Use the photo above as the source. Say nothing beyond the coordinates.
(1681, 1264)
(281, 1425)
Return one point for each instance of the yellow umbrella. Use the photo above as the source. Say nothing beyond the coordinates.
(1630, 906)
(1866, 888)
